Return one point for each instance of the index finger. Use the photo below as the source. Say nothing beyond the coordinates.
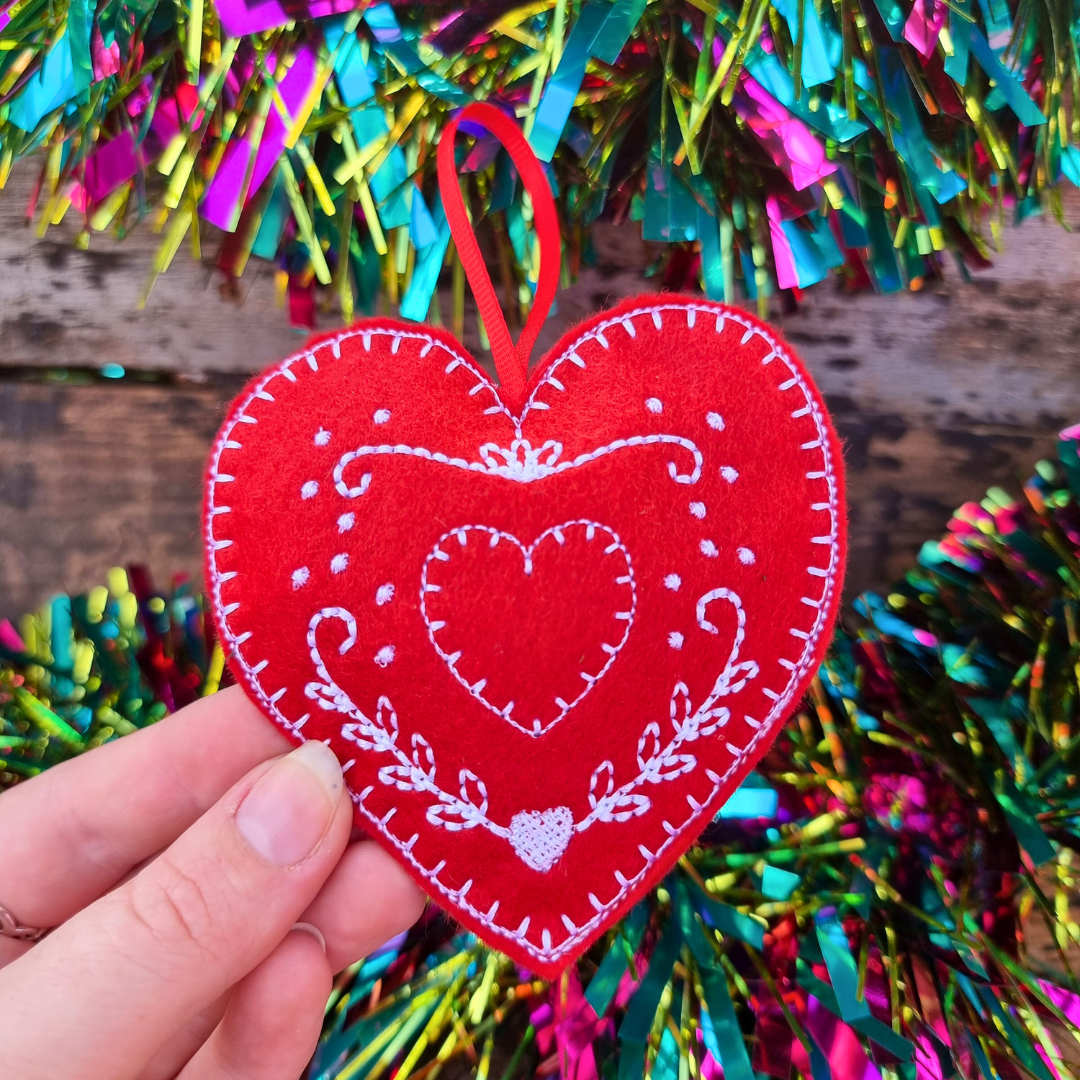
(76, 830)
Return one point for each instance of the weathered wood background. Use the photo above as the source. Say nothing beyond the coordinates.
(937, 394)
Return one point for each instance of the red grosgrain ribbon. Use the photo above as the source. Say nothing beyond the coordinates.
(511, 361)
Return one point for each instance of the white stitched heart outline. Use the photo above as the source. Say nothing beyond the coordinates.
(557, 534)
(539, 837)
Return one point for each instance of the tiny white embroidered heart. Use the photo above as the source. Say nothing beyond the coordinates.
(540, 836)
(581, 565)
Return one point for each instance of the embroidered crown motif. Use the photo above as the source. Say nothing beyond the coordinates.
(520, 461)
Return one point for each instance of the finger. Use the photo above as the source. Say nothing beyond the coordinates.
(12, 949)
(126, 974)
(174, 1055)
(350, 921)
(74, 831)
(272, 1024)
(343, 911)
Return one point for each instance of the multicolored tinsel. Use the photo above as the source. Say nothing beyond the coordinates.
(859, 910)
(767, 141)
(87, 669)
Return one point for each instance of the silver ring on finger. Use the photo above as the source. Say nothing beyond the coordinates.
(10, 927)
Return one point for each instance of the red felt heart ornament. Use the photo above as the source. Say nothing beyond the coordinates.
(547, 626)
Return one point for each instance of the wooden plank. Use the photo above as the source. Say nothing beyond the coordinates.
(99, 475)
(937, 394)
(61, 306)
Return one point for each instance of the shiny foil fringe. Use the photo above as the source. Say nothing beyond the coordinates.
(762, 144)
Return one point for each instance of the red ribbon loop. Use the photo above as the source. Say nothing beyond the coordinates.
(511, 361)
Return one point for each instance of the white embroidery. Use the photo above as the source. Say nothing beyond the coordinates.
(322, 437)
(309, 489)
(698, 510)
(384, 594)
(520, 461)
(715, 421)
(746, 556)
(826, 500)
(654, 405)
(346, 522)
(659, 763)
(729, 474)
(343, 488)
(672, 582)
(539, 837)
(300, 577)
(675, 639)
(381, 416)
(385, 656)
(339, 562)
(379, 734)
(708, 549)
(533, 725)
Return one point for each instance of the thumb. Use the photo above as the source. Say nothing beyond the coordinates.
(128, 972)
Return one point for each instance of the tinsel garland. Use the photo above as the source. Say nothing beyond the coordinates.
(858, 909)
(767, 141)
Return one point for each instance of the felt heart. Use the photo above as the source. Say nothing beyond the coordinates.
(547, 626)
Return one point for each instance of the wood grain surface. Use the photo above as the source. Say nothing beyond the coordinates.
(937, 394)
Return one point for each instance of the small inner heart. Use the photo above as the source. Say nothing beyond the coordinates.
(529, 628)
(540, 836)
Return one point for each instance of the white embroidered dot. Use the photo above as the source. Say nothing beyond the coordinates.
(654, 405)
(381, 416)
(708, 549)
(384, 594)
(715, 421)
(675, 639)
(338, 563)
(346, 522)
(729, 474)
(310, 489)
(300, 576)
(672, 582)
(697, 509)
(385, 656)
(746, 556)
(322, 437)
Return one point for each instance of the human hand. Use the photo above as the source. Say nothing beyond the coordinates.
(175, 864)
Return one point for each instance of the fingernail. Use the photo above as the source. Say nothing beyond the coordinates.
(288, 811)
(314, 931)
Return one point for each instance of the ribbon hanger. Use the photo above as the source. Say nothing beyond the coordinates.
(511, 360)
